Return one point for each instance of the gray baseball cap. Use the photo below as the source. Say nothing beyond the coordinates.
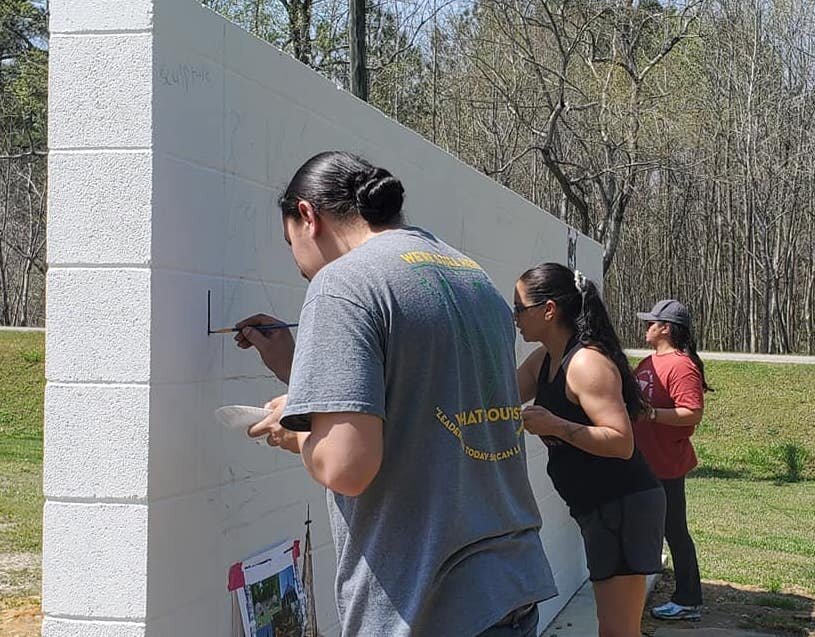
(667, 310)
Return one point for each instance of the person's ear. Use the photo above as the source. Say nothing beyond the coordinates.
(309, 216)
(549, 311)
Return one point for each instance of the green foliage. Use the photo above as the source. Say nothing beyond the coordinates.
(264, 18)
(23, 75)
(794, 458)
(22, 383)
(772, 440)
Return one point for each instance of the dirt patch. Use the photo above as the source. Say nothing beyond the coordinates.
(790, 612)
(19, 575)
(21, 617)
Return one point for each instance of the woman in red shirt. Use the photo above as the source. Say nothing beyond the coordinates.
(672, 380)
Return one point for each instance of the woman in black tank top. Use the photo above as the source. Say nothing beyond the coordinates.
(585, 399)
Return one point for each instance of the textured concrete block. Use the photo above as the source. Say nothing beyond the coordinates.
(100, 15)
(429, 201)
(253, 118)
(186, 443)
(96, 441)
(254, 247)
(590, 259)
(553, 510)
(325, 571)
(189, 92)
(181, 349)
(95, 560)
(501, 233)
(207, 615)
(194, 538)
(99, 208)
(100, 92)
(98, 325)
(53, 627)
(191, 451)
(189, 222)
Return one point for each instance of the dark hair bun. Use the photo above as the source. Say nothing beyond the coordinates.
(378, 196)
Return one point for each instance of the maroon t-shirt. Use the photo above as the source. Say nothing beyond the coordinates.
(668, 380)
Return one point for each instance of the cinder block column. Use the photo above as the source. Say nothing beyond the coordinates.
(98, 318)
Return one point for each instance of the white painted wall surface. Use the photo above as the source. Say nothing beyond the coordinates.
(172, 132)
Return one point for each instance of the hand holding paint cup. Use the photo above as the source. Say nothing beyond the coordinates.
(270, 427)
(276, 347)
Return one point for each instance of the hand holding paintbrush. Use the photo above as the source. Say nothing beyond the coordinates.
(271, 338)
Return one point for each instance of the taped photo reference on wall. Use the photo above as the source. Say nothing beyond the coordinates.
(269, 593)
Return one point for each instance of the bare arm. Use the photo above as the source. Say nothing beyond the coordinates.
(677, 416)
(596, 384)
(528, 374)
(343, 450)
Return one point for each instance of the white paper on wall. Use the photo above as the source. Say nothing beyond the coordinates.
(269, 593)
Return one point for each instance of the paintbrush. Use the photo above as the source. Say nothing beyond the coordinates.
(263, 327)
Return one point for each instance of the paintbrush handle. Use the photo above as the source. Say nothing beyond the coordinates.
(262, 328)
(271, 326)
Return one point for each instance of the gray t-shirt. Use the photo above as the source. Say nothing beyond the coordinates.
(445, 539)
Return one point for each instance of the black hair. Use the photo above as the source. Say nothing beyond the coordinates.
(681, 338)
(345, 185)
(584, 311)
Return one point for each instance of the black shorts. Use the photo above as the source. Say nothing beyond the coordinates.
(624, 536)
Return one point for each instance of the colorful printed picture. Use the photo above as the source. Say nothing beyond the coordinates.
(270, 597)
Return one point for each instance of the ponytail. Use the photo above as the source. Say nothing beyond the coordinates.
(580, 304)
(681, 338)
(593, 326)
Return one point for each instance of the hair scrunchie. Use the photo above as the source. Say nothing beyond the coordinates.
(579, 281)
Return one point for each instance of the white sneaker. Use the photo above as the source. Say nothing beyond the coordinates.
(669, 610)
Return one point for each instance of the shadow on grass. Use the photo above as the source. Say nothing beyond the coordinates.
(779, 479)
(736, 606)
(717, 472)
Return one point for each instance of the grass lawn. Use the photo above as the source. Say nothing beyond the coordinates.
(751, 501)
(21, 397)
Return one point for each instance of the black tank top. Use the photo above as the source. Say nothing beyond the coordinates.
(583, 480)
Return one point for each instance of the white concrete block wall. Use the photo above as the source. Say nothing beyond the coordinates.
(172, 133)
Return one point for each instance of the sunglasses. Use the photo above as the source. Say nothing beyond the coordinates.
(520, 309)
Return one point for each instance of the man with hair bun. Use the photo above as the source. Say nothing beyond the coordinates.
(401, 337)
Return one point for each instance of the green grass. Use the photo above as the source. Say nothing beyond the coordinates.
(754, 532)
(752, 498)
(22, 381)
(759, 421)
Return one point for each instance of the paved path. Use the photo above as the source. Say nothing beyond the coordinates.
(3, 328)
(739, 356)
(579, 617)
